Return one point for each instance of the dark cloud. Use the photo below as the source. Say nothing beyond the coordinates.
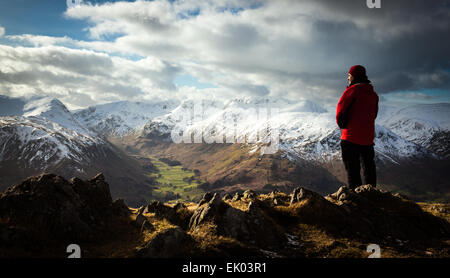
(415, 43)
(11, 106)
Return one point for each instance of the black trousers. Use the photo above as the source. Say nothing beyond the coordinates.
(353, 156)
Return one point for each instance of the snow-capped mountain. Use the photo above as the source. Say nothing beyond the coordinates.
(121, 118)
(422, 124)
(47, 138)
(305, 106)
(55, 111)
(39, 142)
(48, 134)
(316, 137)
(305, 130)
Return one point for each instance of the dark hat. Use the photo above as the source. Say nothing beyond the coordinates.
(358, 72)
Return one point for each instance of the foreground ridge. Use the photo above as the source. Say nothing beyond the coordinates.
(42, 215)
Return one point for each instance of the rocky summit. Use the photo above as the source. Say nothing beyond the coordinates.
(42, 215)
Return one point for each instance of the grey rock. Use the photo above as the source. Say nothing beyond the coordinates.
(204, 213)
(206, 198)
(276, 202)
(249, 194)
(301, 193)
(227, 197)
(237, 196)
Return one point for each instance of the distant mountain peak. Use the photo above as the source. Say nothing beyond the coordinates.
(44, 106)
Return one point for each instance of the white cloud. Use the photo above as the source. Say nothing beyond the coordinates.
(37, 40)
(2, 31)
(292, 49)
(72, 74)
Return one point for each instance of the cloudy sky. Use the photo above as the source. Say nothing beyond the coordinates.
(103, 51)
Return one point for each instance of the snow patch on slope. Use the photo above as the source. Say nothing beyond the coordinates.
(418, 123)
(34, 138)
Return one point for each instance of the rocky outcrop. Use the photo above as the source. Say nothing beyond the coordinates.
(300, 194)
(374, 213)
(309, 207)
(178, 214)
(251, 225)
(50, 207)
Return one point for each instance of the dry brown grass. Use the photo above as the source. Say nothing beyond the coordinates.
(439, 210)
(240, 204)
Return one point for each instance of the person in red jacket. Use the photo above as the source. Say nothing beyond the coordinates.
(356, 112)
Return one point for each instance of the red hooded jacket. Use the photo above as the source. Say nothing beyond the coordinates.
(356, 113)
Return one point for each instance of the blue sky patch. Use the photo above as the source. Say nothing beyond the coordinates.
(191, 81)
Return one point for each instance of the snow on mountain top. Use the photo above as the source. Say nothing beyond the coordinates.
(246, 101)
(436, 115)
(54, 110)
(52, 138)
(285, 105)
(44, 105)
(419, 123)
(305, 106)
(236, 108)
(306, 135)
(120, 118)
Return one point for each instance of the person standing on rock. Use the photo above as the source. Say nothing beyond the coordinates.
(355, 116)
